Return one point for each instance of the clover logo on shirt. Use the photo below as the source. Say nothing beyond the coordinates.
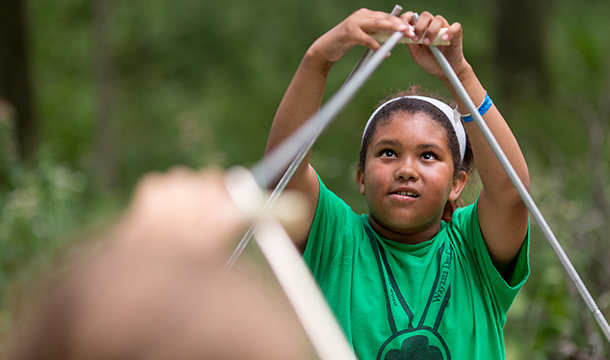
(421, 341)
(416, 348)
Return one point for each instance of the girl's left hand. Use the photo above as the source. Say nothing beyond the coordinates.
(430, 25)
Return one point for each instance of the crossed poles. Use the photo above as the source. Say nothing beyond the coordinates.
(292, 273)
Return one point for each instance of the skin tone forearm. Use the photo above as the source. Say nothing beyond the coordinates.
(502, 214)
(302, 99)
(496, 184)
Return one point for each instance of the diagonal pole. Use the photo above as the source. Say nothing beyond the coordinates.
(293, 275)
(302, 291)
(311, 138)
(367, 54)
(525, 196)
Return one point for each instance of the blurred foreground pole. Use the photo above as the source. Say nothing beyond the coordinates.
(15, 83)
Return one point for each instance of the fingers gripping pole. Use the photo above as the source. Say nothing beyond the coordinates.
(525, 196)
(367, 54)
(295, 148)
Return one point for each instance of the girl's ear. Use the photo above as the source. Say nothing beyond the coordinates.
(360, 180)
(450, 207)
(456, 190)
(459, 182)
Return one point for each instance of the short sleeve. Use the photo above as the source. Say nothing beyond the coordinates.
(502, 293)
(328, 240)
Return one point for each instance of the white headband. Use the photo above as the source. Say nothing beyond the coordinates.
(452, 114)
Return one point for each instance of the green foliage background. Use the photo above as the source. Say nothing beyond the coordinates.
(198, 82)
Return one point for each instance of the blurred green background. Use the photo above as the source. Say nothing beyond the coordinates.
(94, 94)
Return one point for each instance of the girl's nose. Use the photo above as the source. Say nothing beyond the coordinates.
(406, 170)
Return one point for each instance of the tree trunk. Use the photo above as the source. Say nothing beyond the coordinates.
(15, 83)
(519, 54)
(105, 163)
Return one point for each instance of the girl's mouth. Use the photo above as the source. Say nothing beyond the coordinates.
(406, 193)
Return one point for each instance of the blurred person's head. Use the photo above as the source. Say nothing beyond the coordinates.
(152, 292)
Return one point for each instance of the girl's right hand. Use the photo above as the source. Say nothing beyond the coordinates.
(354, 30)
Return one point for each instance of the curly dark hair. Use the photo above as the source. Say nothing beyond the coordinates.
(415, 106)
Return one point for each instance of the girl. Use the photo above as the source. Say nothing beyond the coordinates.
(413, 279)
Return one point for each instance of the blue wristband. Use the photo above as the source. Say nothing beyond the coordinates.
(487, 102)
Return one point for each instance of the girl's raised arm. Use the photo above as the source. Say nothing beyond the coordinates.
(503, 216)
(304, 95)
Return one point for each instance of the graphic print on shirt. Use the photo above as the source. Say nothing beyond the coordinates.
(421, 341)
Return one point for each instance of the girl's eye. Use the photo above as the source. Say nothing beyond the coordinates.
(429, 156)
(387, 153)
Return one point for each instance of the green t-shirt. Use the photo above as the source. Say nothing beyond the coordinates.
(441, 299)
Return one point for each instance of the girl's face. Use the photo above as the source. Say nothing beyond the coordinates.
(408, 177)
